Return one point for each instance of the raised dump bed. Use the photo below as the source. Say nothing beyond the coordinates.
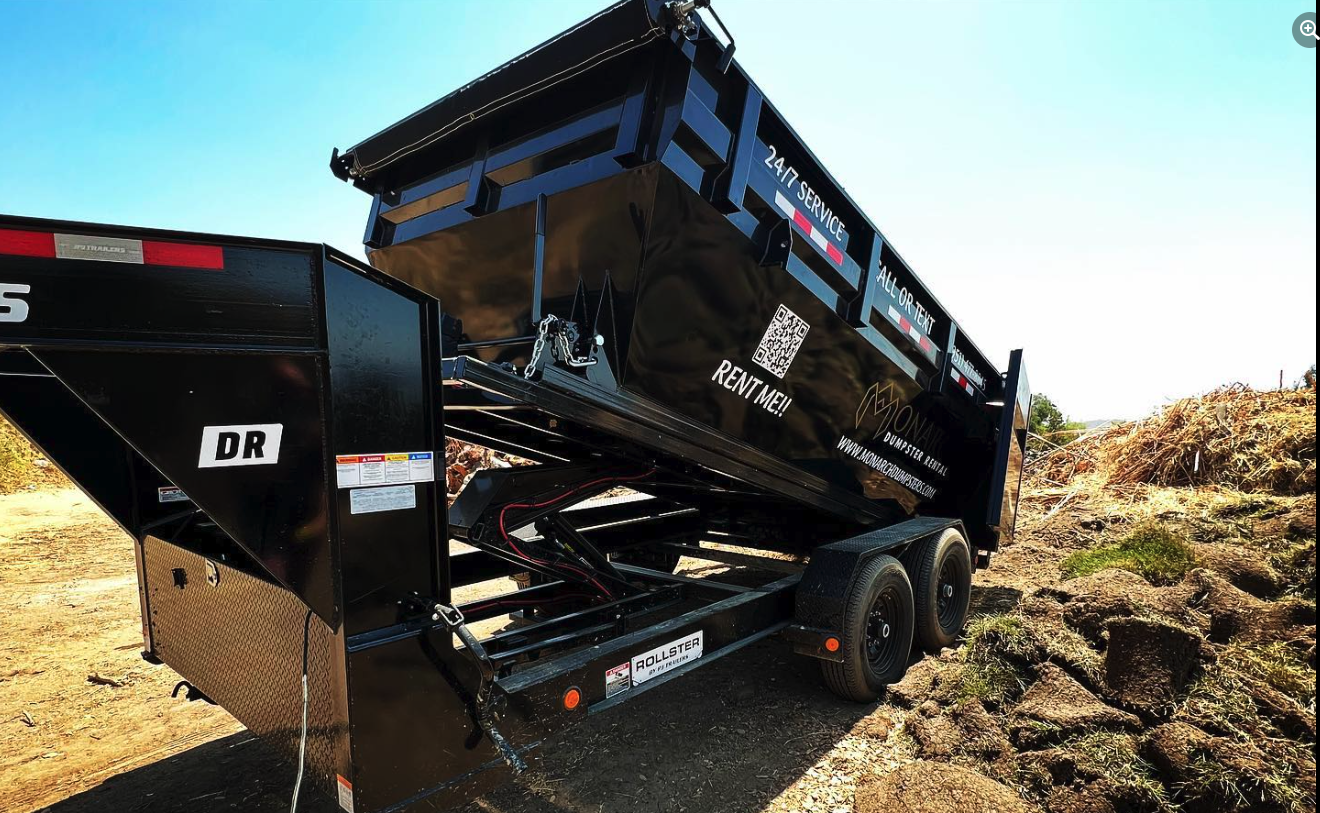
(624, 179)
(610, 257)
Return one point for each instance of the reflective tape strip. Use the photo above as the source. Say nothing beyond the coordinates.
(962, 369)
(817, 236)
(49, 245)
(923, 341)
(27, 243)
(183, 255)
(962, 380)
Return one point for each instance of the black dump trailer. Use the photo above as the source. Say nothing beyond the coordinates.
(610, 257)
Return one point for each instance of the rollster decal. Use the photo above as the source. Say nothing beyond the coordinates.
(664, 658)
(255, 444)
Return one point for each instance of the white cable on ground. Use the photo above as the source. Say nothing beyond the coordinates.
(302, 741)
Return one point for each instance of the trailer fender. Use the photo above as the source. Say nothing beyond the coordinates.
(814, 642)
(823, 591)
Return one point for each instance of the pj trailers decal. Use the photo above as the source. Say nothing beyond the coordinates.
(56, 246)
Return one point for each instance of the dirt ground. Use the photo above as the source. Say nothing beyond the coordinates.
(86, 725)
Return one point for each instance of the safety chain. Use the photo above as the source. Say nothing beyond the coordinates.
(542, 331)
(486, 707)
(562, 336)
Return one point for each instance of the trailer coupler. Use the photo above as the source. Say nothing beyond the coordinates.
(452, 618)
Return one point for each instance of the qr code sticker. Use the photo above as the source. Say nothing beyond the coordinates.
(780, 344)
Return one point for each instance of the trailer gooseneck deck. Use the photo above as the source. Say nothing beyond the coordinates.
(611, 257)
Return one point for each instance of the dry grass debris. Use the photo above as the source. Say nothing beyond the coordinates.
(21, 465)
(1250, 440)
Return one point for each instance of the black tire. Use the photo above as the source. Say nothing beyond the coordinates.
(940, 569)
(877, 633)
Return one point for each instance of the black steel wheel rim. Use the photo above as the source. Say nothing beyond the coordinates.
(882, 621)
(947, 600)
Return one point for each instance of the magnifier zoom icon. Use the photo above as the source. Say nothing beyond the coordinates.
(1308, 28)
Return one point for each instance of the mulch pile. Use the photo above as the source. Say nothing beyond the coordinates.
(1250, 440)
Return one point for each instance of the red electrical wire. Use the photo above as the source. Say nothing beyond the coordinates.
(552, 501)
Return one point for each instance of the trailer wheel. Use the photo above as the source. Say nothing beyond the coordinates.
(940, 569)
(877, 632)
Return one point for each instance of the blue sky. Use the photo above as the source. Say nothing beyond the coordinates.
(1126, 189)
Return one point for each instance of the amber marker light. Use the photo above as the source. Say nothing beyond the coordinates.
(572, 698)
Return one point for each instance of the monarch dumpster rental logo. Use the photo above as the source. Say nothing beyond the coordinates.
(903, 430)
(255, 444)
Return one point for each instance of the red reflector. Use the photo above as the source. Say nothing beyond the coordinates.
(182, 255)
(27, 243)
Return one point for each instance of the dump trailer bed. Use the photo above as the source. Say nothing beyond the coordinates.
(626, 178)
(611, 258)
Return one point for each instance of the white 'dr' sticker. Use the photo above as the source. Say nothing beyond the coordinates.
(664, 658)
(256, 444)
